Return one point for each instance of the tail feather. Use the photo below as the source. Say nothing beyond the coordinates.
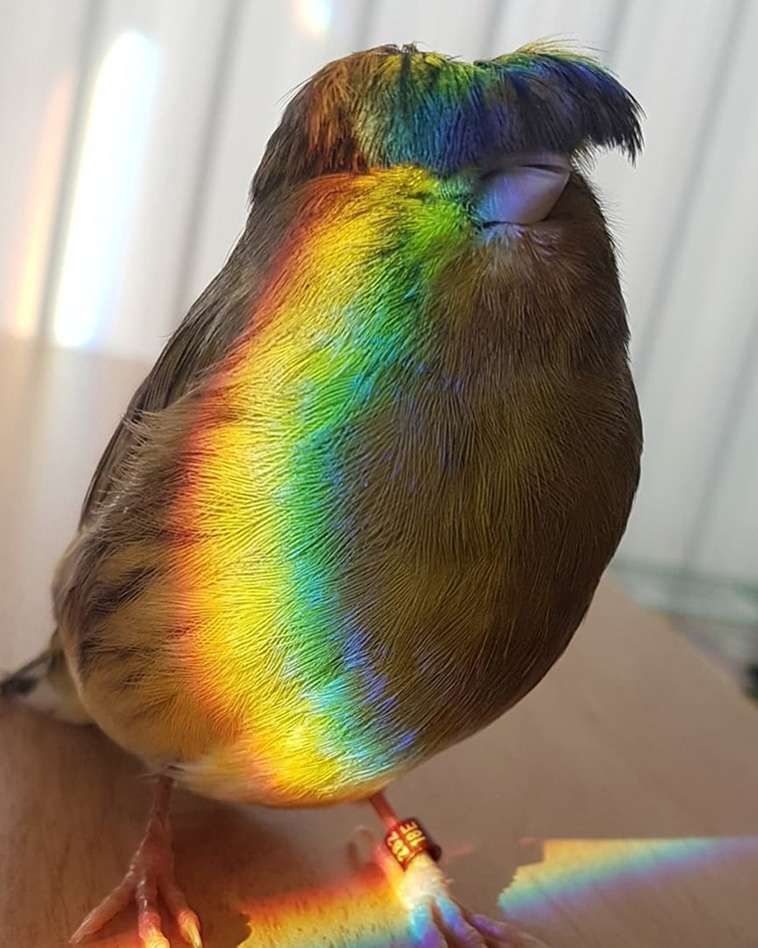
(25, 679)
(45, 684)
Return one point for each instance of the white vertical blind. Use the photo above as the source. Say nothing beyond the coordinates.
(39, 63)
(272, 49)
(131, 129)
(591, 22)
(690, 275)
(448, 25)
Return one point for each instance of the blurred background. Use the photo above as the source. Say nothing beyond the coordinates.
(131, 129)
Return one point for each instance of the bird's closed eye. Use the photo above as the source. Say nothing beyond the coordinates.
(523, 189)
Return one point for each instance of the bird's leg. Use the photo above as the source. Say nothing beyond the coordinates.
(150, 873)
(437, 919)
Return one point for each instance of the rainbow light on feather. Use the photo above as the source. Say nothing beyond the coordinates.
(388, 106)
(268, 495)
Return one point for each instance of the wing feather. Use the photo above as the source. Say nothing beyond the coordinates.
(201, 340)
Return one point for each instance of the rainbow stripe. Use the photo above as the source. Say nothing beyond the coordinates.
(360, 911)
(323, 422)
(577, 871)
(275, 654)
(391, 105)
(548, 898)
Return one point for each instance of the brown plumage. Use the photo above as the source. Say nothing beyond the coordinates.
(362, 502)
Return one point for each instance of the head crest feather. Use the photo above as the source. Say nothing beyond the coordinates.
(394, 105)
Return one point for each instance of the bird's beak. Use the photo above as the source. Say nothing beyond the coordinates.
(523, 189)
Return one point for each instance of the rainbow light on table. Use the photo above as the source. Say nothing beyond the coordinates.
(362, 908)
(575, 869)
(362, 911)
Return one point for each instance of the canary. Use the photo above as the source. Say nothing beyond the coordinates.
(361, 503)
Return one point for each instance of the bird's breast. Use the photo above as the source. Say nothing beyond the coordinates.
(366, 581)
(374, 523)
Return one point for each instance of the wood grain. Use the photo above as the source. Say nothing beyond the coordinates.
(616, 807)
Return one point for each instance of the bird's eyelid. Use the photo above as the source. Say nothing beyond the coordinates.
(545, 160)
(541, 162)
(523, 189)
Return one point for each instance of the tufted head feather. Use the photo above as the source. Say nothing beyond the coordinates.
(392, 105)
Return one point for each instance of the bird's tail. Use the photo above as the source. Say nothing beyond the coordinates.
(45, 684)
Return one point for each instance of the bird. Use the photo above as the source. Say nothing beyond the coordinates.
(361, 503)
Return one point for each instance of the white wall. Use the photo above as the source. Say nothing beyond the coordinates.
(131, 129)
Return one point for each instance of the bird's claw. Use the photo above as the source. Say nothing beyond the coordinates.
(150, 873)
(437, 920)
(443, 923)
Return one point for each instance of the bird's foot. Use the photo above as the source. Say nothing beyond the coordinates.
(150, 873)
(437, 920)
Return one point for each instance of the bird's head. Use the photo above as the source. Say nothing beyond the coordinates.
(475, 163)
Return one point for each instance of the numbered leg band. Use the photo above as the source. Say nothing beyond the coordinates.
(407, 839)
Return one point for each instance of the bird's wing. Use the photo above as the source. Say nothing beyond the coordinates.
(200, 341)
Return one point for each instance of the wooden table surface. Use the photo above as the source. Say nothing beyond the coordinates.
(615, 807)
